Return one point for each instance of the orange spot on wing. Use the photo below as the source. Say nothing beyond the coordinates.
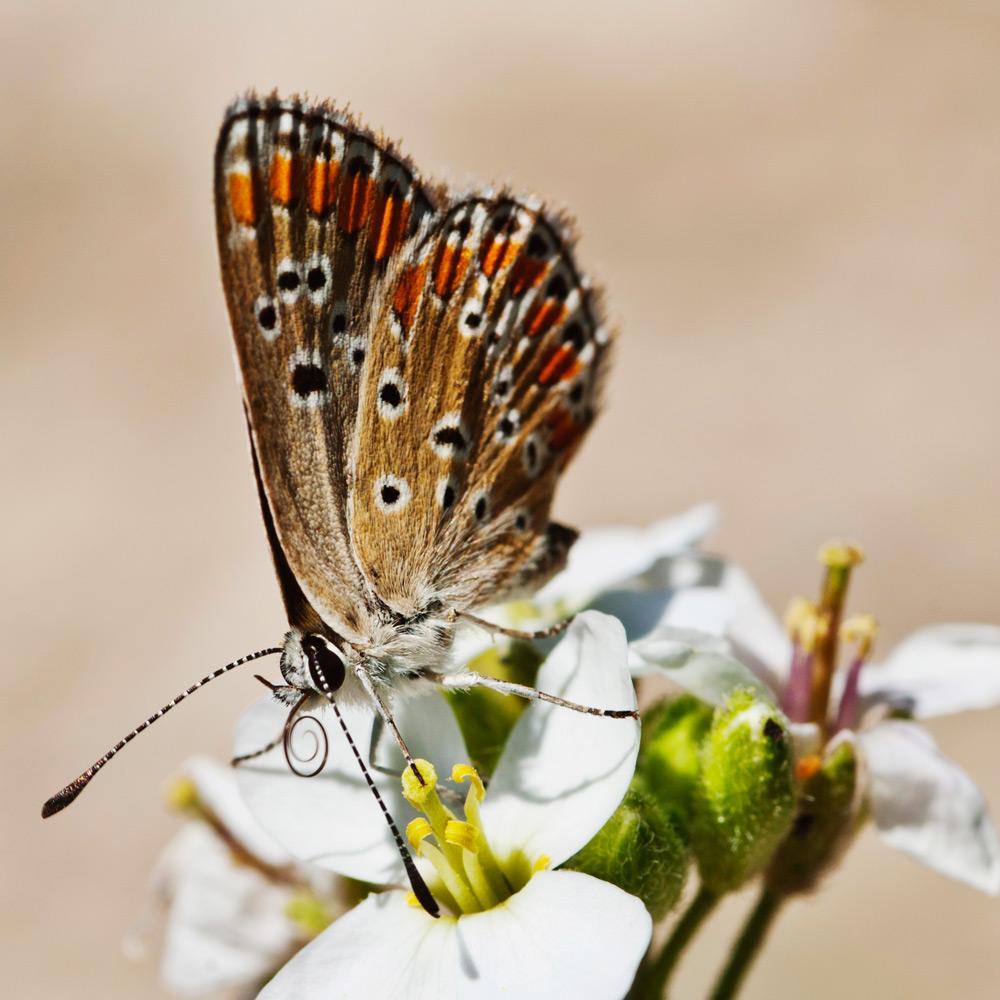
(526, 274)
(542, 316)
(560, 363)
(406, 298)
(392, 212)
(321, 185)
(243, 197)
(450, 264)
(355, 199)
(286, 177)
(495, 253)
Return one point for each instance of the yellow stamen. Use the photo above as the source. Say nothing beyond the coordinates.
(541, 864)
(462, 772)
(416, 830)
(838, 558)
(841, 555)
(863, 630)
(449, 873)
(415, 792)
(463, 835)
(182, 795)
(800, 613)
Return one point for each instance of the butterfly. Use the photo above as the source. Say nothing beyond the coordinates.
(418, 367)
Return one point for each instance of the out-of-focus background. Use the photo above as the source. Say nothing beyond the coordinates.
(795, 210)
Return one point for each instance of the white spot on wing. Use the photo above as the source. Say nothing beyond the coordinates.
(392, 494)
(391, 404)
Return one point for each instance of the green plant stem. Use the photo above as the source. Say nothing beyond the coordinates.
(748, 945)
(651, 979)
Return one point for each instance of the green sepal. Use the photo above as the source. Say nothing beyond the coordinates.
(827, 818)
(744, 800)
(670, 754)
(640, 850)
(486, 717)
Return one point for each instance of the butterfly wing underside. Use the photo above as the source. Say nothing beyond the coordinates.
(485, 372)
(310, 211)
(415, 382)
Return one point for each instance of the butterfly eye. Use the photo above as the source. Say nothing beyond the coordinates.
(326, 668)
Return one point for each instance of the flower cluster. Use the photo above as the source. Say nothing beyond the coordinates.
(553, 840)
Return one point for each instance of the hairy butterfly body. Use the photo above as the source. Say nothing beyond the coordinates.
(417, 371)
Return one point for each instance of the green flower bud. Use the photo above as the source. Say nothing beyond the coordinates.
(669, 759)
(487, 717)
(744, 800)
(640, 851)
(829, 814)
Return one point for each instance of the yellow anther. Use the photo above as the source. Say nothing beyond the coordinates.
(416, 793)
(863, 630)
(464, 835)
(461, 772)
(801, 623)
(541, 864)
(416, 830)
(841, 555)
(412, 900)
(309, 912)
(182, 795)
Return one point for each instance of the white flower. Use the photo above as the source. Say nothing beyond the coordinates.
(922, 803)
(228, 886)
(560, 777)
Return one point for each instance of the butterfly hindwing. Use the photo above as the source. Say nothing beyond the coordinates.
(311, 211)
(485, 371)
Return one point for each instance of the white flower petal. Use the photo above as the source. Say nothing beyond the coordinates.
(332, 819)
(563, 773)
(562, 937)
(758, 637)
(217, 789)
(603, 558)
(227, 925)
(706, 609)
(672, 648)
(708, 674)
(928, 807)
(939, 670)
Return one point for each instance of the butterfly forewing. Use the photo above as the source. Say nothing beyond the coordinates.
(311, 210)
(484, 371)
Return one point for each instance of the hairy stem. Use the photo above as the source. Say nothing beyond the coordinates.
(747, 945)
(651, 979)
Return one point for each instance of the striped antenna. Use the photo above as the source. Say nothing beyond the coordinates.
(417, 883)
(60, 800)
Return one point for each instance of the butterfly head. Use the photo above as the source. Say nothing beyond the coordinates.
(313, 663)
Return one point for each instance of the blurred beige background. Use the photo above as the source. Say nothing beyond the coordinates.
(795, 209)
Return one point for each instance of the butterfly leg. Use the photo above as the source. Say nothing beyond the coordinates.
(386, 715)
(468, 679)
(276, 742)
(514, 633)
(378, 731)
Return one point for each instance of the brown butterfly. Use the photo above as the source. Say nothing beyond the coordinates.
(418, 368)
